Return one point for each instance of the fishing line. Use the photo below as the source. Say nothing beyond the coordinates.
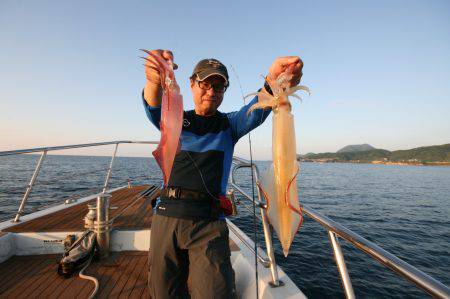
(255, 225)
(201, 175)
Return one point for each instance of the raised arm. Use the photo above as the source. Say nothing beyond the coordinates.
(243, 122)
(152, 89)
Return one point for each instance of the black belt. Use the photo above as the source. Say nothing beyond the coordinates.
(188, 204)
(180, 193)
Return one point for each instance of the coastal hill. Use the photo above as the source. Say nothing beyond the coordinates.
(428, 155)
(356, 148)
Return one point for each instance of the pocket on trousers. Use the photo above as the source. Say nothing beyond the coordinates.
(219, 247)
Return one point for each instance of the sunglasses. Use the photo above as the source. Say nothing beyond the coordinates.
(220, 88)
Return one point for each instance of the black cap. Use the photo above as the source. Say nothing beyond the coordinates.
(208, 67)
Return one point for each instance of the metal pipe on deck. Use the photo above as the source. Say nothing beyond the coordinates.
(102, 228)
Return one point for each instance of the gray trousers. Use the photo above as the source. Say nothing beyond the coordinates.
(196, 248)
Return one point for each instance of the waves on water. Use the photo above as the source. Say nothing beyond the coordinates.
(404, 209)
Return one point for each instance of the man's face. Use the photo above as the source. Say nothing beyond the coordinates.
(207, 94)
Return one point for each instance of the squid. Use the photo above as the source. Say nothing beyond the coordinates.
(171, 117)
(278, 183)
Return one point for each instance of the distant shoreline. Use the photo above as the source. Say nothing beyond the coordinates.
(435, 155)
(381, 162)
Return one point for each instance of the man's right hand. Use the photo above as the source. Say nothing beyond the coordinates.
(281, 64)
(151, 67)
(152, 90)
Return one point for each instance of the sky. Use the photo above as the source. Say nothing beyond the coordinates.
(379, 71)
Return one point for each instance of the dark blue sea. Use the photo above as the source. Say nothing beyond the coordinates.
(404, 209)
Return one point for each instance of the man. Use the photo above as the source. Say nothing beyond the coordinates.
(189, 232)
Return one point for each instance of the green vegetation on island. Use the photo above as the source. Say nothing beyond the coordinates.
(356, 148)
(428, 155)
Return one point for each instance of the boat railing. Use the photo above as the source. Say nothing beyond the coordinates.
(45, 150)
(336, 231)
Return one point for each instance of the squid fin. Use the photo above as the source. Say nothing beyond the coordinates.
(266, 184)
(293, 207)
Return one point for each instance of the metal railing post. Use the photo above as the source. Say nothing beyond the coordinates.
(44, 151)
(398, 266)
(276, 282)
(108, 175)
(30, 186)
(264, 219)
(340, 262)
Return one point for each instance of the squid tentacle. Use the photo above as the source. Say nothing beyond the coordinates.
(298, 88)
(291, 92)
(162, 72)
(264, 101)
(258, 106)
(280, 92)
(161, 64)
(296, 96)
(251, 94)
(166, 69)
(157, 59)
(164, 64)
(158, 67)
(263, 97)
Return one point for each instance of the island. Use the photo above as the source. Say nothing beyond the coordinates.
(364, 153)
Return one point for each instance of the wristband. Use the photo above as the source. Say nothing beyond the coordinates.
(267, 87)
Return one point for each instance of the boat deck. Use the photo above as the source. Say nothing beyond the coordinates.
(130, 206)
(36, 277)
(124, 274)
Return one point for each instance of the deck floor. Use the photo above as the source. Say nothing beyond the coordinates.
(36, 277)
(135, 213)
(123, 275)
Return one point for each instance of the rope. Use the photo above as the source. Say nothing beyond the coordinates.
(91, 278)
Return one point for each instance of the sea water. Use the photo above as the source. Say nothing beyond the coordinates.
(403, 209)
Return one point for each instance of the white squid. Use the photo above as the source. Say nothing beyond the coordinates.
(278, 183)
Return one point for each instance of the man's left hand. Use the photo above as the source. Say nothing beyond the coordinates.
(281, 64)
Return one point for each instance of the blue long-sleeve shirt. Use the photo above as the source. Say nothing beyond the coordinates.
(207, 146)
